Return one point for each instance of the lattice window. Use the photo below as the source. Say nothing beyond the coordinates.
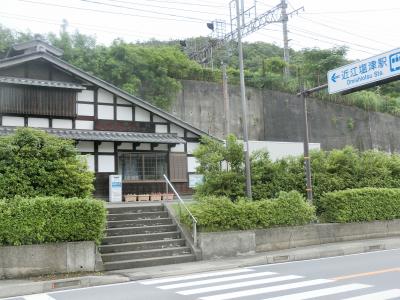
(142, 166)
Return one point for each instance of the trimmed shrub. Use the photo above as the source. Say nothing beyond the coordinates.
(334, 170)
(25, 221)
(220, 213)
(35, 163)
(358, 205)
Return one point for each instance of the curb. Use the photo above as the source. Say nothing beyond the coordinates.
(18, 288)
(14, 288)
(265, 258)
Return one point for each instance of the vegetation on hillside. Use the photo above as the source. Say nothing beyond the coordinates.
(153, 70)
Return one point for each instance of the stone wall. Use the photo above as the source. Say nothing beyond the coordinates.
(235, 243)
(276, 116)
(29, 260)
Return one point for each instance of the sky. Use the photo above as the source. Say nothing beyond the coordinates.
(366, 27)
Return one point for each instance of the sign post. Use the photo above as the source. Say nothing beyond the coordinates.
(115, 188)
(366, 73)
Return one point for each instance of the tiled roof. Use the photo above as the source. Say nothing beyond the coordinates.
(11, 61)
(107, 136)
(38, 82)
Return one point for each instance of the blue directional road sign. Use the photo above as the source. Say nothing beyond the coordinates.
(372, 71)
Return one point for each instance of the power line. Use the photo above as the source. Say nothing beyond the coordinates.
(339, 40)
(150, 5)
(351, 11)
(172, 2)
(313, 37)
(81, 25)
(342, 30)
(188, 19)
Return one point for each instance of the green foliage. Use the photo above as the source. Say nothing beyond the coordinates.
(218, 180)
(153, 70)
(34, 163)
(269, 178)
(25, 221)
(331, 171)
(358, 205)
(220, 213)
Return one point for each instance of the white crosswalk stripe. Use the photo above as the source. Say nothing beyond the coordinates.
(38, 297)
(215, 280)
(385, 295)
(237, 285)
(269, 289)
(248, 282)
(195, 276)
(322, 292)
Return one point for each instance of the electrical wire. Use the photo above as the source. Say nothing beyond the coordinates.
(345, 31)
(81, 25)
(313, 37)
(352, 11)
(184, 18)
(172, 2)
(335, 39)
(149, 5)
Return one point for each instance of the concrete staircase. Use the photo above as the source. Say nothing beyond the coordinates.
(142, 235)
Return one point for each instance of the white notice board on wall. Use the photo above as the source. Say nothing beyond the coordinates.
(115, 188)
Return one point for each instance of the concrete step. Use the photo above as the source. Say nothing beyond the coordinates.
(136, 238)
(147, 245)
(138, 216)
(140, 230)
(152, 253)
(135, 209)
(147, 262)
(139, 223)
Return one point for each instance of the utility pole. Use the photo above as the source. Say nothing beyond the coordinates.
(226, 100)
(307, 162)
(243, 98)
(244, 27)
(285, 39)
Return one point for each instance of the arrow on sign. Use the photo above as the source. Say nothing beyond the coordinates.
(334, 77)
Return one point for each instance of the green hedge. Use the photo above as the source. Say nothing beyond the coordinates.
(357, 205)
(25, 221)
(220, 213)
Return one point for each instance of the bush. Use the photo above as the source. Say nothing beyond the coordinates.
(333, 170)
(34, 163)
(226, 181)
(220, 213)
(358, 205)
(25, 221)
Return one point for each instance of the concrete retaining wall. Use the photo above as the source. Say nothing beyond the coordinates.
(276, 116)
(234, 243)
(28, 260)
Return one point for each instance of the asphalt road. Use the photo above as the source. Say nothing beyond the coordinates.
(374, 275)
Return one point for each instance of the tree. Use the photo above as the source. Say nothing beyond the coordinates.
(34, 163)
(222, 167)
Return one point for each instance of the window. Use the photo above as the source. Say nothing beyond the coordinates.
(142, 166)
(43, 101)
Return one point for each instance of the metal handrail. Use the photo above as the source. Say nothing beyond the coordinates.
(187, 209)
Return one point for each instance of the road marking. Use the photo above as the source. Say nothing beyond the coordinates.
(265, 290)
(194, 276)
(38, 297)
(322, 292)
(385, 295)
(366, 274)
(214, 280)
(238, 285)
